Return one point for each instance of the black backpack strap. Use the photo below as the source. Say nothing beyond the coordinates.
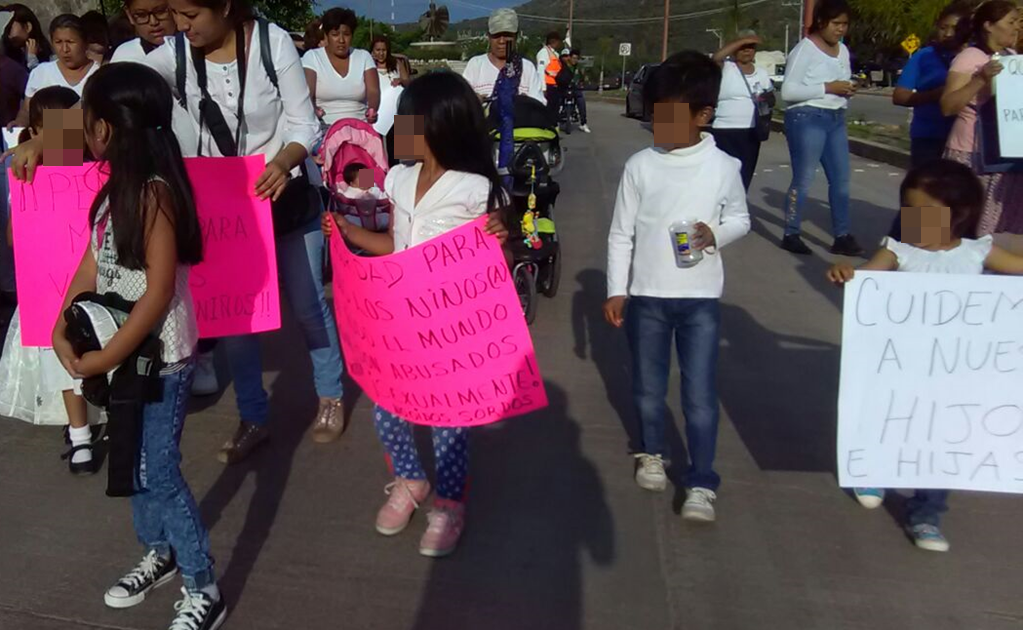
(181, 67)
(266, 55)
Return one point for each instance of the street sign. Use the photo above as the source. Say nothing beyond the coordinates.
(911, 44)
(625, 50)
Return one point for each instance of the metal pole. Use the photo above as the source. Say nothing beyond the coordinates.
(786, 38)
(571, 15)
(805, 17)
(624, 59)
(664, 39)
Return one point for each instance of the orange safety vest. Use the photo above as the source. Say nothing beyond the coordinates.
(552, 68)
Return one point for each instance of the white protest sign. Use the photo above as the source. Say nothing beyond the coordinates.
(1009, 102)
(931, 392)
(11, 137)
(388, 109)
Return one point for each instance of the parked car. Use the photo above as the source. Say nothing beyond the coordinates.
(634, 106)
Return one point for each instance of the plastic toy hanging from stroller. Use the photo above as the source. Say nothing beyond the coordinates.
(351, 146)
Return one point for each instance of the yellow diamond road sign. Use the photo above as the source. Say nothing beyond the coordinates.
(911, 44)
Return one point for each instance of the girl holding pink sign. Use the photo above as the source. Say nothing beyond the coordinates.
(440, 125)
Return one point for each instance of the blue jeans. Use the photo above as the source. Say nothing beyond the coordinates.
(650, 324)
(450, 453)
(817, 135)
(164, 510)
(300, 267)
(926, 507)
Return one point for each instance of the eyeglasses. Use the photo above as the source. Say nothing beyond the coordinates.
(145, 17)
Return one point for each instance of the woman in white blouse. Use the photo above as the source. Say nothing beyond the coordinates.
(71, 69)
(817, 88)
(745, 89)
(343, 80)
(277, 122)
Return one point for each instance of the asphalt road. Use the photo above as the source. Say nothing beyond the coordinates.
(878, 108)
(559, 537)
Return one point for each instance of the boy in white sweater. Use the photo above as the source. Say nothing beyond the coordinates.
(684, 176)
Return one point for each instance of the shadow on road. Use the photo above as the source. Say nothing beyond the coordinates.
(537, 505)
(779, 392)
(293, 405)
(609, 351)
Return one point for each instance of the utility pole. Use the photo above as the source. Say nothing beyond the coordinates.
(806, 15)
(795, 3)
(664, 40)
(571, 14)
(721, 39)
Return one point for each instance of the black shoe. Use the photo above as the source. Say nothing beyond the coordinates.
(846, 245)
(153, 571)
(80, 468)
(198, 611)
(793, 243)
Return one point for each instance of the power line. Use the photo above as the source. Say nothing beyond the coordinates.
(628, 21)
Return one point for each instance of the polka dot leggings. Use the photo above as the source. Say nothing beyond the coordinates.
(450, 449)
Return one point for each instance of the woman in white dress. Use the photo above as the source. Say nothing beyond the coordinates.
(394, 78)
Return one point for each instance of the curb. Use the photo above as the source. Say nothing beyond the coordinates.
(865, 149)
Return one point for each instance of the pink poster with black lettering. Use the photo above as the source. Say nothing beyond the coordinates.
(435, 334)
(235, 288)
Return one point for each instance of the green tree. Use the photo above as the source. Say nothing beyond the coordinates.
(883, 24)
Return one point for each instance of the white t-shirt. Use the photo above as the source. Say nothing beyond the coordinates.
(806, 72)
(698, 183)
(272, 120)
(454, 200)
(340, 96)
(130, 50)
(967, 258)
(735, 108)
(47, 74)
(481, 74)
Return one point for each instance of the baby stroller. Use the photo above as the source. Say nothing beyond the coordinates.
(536, 253)
(351, 142)
(532, 125)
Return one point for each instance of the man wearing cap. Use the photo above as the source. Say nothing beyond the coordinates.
(482, 70)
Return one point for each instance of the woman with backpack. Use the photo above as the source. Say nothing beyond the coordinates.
(242, 82)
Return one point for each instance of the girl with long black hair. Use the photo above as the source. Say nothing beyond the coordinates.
(24, 38)
(145, 237)
(440, 125)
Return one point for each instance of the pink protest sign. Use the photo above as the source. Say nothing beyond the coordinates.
(435, 334)
(234, 289)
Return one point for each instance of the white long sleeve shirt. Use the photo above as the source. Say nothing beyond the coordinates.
(272, 121)
(808, 69)
(699, 183)
(482, 74)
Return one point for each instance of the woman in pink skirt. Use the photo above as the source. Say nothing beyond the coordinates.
(990, 33)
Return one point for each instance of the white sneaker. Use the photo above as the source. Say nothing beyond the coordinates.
(585, 128)
(205, 382)
(870, 498)
(650, 472)
(699, 505)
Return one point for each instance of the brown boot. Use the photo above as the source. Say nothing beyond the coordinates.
(245, 440)
(330, 421)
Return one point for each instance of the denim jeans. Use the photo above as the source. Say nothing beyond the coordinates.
(816, 135)
(743, 145)
(926, 507)
(650, 324)
(580, 104)
(6, 253)
(300, 267)
(164, 510)
(450, 453)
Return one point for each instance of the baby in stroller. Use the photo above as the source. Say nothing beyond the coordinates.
(354, 168)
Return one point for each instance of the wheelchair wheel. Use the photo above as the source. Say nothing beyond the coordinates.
(525, 286)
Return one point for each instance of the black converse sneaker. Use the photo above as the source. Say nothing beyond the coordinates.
(199, 611)
(153, 571)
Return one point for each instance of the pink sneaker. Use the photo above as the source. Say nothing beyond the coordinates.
(405, 497)
(446, 524)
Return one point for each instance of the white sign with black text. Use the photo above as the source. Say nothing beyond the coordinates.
(931, 389)
(1009, 102)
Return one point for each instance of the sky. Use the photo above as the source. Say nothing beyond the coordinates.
(410, 10)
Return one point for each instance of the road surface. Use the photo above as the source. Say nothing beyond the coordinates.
(878, 108)
(559, 537)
